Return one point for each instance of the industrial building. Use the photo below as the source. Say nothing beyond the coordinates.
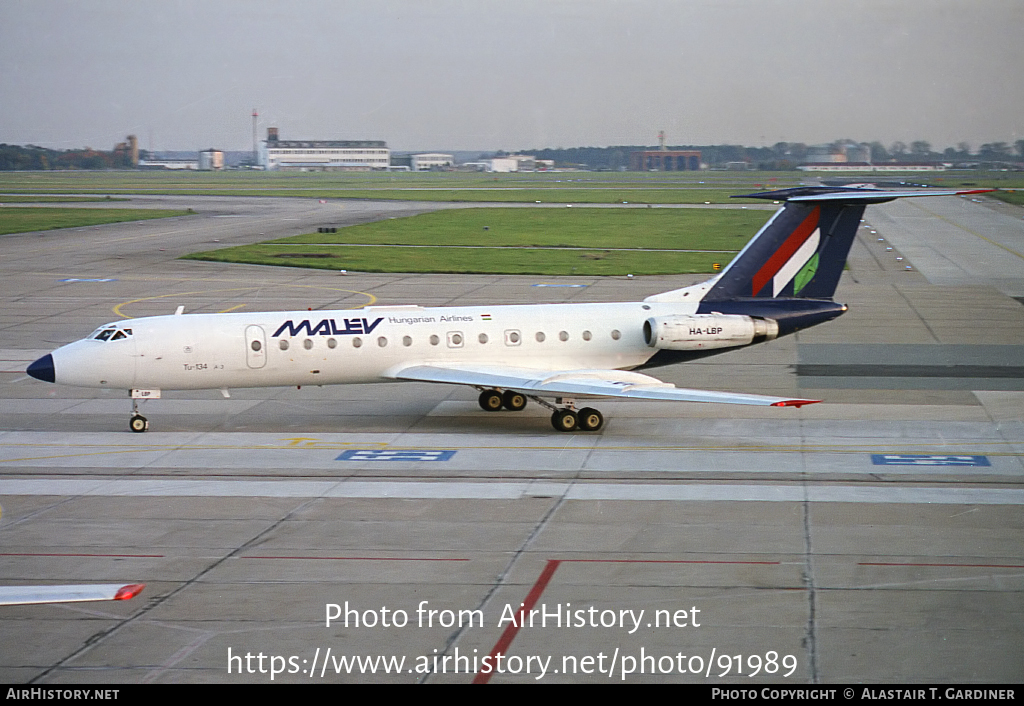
(664, 161)
(510, 163)
(211, 160)
(431, 160)
(187, 164)
(322, 155)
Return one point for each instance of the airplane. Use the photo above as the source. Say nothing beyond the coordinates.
(782, 281)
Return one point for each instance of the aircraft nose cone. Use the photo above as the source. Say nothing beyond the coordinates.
(42, 369)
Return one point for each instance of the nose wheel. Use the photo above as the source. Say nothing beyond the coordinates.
(137, 422)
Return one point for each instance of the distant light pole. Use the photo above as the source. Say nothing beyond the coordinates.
(255, 146)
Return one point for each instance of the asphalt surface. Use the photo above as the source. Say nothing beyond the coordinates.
(876, 537)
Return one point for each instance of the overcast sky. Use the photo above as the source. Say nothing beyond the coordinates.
(510, 74)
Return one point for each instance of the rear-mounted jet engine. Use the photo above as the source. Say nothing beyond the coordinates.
(703, 331)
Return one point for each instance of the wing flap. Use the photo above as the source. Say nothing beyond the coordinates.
(26, 595)
(581, 383)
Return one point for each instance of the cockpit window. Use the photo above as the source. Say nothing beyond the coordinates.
(112, 334)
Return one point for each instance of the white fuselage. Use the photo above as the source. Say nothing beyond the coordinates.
(210, 351)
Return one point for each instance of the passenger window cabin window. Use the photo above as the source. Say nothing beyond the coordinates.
(332, 343)
(381, 341)
(434, 340)
(308, 344)
(540, 337)
(283, 344)
(406, 341)
(357, 342)
(563, 336)
(482, 338)
(616, 335)
(586, 335)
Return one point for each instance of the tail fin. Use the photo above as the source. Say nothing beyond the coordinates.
(800, 253)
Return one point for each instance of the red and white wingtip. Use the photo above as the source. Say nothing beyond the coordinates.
(31, 595)
(794, 403)
(129, 591)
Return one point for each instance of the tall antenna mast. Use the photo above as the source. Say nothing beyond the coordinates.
(255, 145)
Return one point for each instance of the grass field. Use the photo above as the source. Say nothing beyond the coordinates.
(515, 240)
(27, 219)
(545, 187)
(601, 241)
(32, 198)
(1014, 197)
(572, 187)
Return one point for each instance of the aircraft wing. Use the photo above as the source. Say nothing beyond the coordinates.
(24, 595)
(579, 383)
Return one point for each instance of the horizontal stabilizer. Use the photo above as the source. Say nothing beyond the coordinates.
(846, 194)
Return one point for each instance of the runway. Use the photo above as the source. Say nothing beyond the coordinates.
(876, 537)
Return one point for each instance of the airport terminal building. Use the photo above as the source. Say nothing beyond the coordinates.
(322, 155)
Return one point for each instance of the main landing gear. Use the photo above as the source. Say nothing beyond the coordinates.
(587, 419)
(494, 400)
(137, 422)
(562, 418)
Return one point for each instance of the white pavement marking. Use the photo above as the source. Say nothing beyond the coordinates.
(505, 491)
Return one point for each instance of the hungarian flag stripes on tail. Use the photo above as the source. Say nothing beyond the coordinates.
(800, 253)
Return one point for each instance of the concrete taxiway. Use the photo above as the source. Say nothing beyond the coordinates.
(876, 537)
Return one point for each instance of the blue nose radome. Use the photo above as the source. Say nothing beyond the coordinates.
(42, 369)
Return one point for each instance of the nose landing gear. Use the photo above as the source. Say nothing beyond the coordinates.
(137, 422)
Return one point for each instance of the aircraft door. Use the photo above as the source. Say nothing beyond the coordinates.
(255, 346)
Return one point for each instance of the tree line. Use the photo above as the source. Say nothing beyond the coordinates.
(788, 155)
(31, 157)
